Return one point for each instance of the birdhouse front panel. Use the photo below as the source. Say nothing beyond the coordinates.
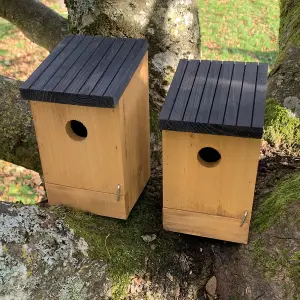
(90, 106)
(212, 122)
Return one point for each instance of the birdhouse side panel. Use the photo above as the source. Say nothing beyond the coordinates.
(72, 156)
(135, 132)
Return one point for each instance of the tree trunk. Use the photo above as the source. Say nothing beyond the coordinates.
(170, 26)
(38, 22)
(284, 81)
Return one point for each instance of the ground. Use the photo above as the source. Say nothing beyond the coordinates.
(101, 258)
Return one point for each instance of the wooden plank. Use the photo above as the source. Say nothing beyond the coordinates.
(184, 91)
(247, 97)
(135, 133)
(44, 65)
(221, 228)
(260, 96)
(173, 90)
(96, 67)
(70, 162)
(209, 92)
(225, 189)
(56, 63)
(233, 100)
(127, 70)
(69, 62)
(103, 204)
(114, 67)
(71, 75)
(197, 91)
(218, 108)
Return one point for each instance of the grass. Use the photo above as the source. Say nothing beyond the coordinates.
(245, 30)
(19, 57)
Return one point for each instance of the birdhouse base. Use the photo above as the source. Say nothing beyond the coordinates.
(104, 204)
(211, 226)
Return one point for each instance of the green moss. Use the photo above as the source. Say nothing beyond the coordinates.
(281, 127)
(273, 263)
(294, 269)
(275, 205)
(154, 123)
(119, 242)
(267, 262)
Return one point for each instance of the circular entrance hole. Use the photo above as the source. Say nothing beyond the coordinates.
(209, 157)
(76, 130)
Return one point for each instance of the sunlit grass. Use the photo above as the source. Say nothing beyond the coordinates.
(245, 30)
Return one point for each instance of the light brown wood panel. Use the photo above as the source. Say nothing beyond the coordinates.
(217, 227)
(95, 202)
(226, 189)
(94, 163)
(135, 132)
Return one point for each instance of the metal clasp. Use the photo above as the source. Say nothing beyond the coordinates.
(118, 193)
(244, 218)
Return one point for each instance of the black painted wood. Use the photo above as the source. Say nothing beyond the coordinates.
(218, 108)
(260, 96)
(44, 65)
(61, 72)
(174, 88)
(57, 63)
(214, 97)
(101, 61)
(86, 70)
(232, 107)
(209, 92)
(71, 76)
(197, 91)
(113, 68)
(126, 71)
(248, 95)
(184, 91)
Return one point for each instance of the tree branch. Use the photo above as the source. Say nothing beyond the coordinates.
(38, 22)
(17, 136)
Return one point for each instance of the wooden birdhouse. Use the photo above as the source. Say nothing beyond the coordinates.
(89, 101)
(212, 122)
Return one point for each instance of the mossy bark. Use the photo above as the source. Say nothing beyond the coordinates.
(17, 136)
(282, 128)
(283, 85)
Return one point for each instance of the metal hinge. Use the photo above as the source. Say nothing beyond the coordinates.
(244, 218)
(118, 193)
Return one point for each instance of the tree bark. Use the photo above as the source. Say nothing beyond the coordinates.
(170, 26)
(284, 79)
(17, 136)
(38, 22)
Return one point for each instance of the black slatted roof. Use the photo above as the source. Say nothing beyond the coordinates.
(86, 70)
(214, 97)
